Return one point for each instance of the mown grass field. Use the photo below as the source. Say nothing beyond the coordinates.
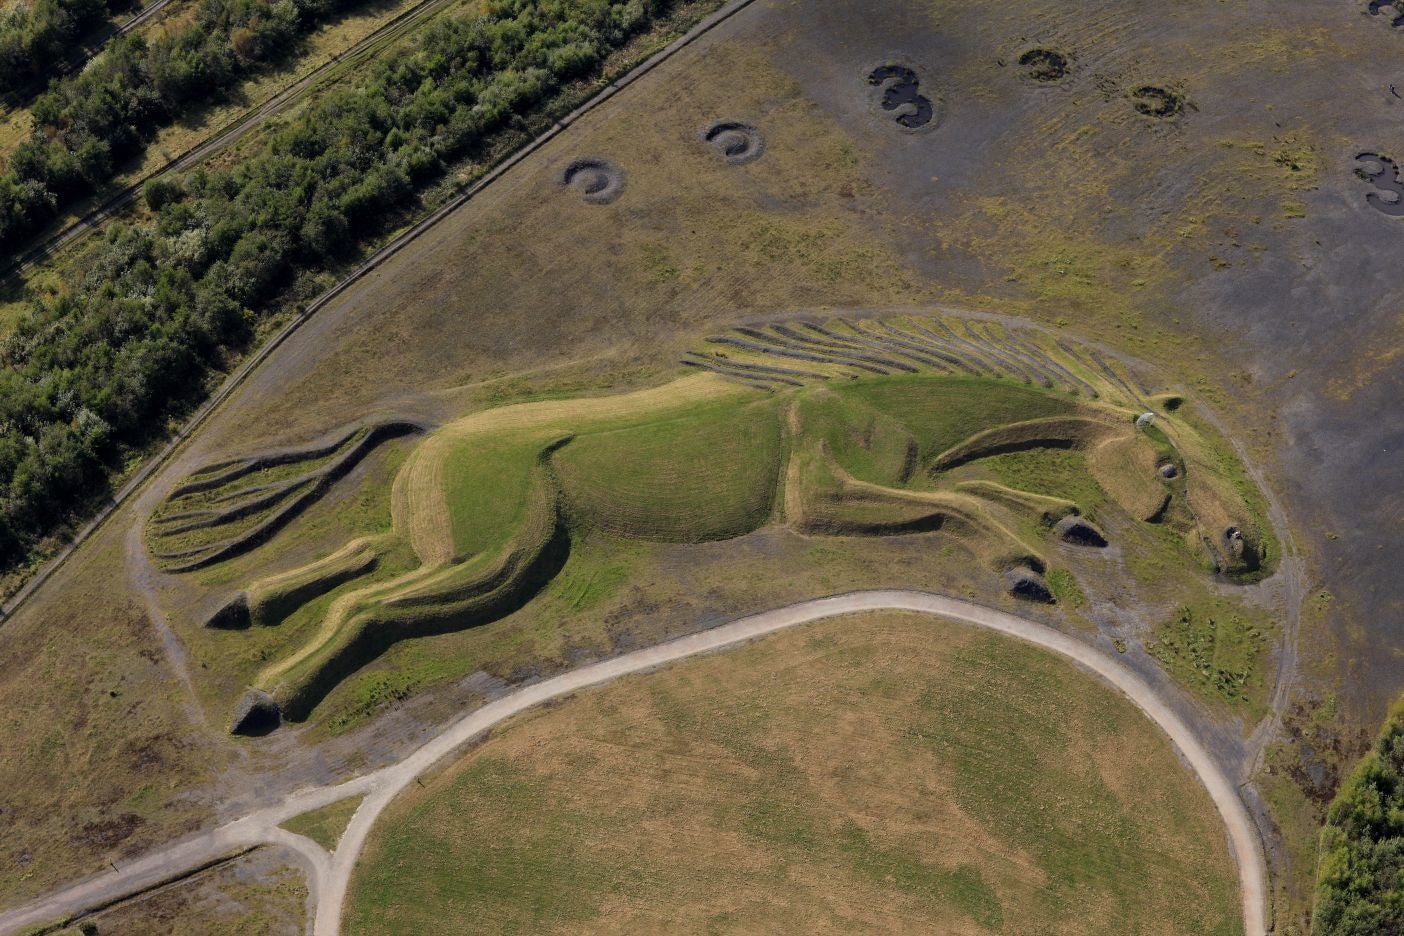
(873, 773)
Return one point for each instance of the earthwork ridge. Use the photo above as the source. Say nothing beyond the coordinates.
(773, 356)
(232, 506)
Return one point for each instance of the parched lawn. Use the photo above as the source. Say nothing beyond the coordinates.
(874, 773)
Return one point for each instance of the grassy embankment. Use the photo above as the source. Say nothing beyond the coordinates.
(672, 466)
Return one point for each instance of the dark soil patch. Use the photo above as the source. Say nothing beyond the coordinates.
(902, 94)
(1044, 64)
(598, 180)
(1161, 103)
(1028, 585)
(107, 833)
(1080, 532)
(232, 616)
(256, 715)
(737, 142)
(1383, 174)
(1377, 8)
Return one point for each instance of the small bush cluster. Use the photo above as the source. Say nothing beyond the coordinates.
(93, 370)
(35, 36)
(1360, 875)
(1217, 654)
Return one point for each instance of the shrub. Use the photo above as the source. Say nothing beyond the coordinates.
(35, 36)
(1360, 875)
(158, 192)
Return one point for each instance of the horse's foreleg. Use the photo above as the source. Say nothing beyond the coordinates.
(430, 600)
(823, 498)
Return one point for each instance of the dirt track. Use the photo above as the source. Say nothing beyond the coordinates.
(328, 876)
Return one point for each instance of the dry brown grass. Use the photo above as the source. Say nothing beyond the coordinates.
(255, 895)
(1125, 467)
(875, 773)
(631, 285)
(581, 297)
(98, 755)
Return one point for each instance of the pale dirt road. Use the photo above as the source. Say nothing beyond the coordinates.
(328, 876)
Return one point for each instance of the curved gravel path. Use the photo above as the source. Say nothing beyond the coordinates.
(328, 876)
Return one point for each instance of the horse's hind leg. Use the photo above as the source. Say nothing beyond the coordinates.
(430, 600)
(269, 600)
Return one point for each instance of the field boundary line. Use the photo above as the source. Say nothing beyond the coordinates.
(369, 265)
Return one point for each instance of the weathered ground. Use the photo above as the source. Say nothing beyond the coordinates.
(257, 894)
(1231, 246)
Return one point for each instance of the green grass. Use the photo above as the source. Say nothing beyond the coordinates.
(1050, 472)
(943, 411)
(325, 826)
(705, 475)
(1226, 464)
(869, 444)
(665, 472)
(853, 775)
(1064, 586)
(1218, 649)
(486, 487)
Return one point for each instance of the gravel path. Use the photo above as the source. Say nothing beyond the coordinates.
(328, 876)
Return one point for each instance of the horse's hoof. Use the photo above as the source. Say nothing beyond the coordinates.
(1079, 532)
(1027, 584)
(233, 616)
(256, 714)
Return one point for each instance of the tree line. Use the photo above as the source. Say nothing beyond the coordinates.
(86, 126)
(87, 374)
(1360, 869)
(35, 37)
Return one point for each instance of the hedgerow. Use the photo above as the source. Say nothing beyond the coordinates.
(88, 374)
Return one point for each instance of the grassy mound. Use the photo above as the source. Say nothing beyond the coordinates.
(853, 775)
(708, 474)
(490, 505)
